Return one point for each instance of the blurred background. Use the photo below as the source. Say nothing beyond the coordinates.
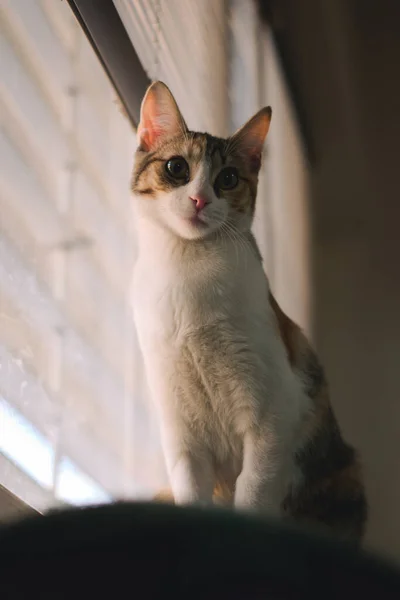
(75, 425)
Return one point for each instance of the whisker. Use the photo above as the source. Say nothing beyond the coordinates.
(231, 237)
(241, 238)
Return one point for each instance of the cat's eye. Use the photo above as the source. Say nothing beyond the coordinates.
(227, 179)
(177, 168)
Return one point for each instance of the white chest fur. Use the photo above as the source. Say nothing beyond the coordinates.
(183, 290)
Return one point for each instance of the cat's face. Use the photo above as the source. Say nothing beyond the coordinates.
(195, 184)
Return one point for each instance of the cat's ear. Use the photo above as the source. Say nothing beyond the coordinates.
(160, 117)
(249, 139)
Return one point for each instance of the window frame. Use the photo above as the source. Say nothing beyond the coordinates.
(107, 35)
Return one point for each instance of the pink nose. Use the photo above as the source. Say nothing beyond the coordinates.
(199, 201)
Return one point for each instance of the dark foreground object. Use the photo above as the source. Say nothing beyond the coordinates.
(153, 551)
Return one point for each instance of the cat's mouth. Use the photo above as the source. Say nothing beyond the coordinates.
(197, 221)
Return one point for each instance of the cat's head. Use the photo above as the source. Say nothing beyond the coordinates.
(195, 184)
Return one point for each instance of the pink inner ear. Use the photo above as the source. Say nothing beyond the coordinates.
(149, 129)
(148, 133)
(255, 161)
(157, 121)
(251, 138)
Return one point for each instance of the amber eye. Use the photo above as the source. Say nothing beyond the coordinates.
(177, 168)
(227, 179)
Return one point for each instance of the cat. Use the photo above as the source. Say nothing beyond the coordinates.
(242, 400)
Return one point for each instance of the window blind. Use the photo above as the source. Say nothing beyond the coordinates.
(70, 370)
(185, 44)
(281, 223)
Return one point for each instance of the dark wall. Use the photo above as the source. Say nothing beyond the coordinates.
(342, 59)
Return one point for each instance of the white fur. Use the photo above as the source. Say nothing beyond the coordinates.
(229, 404)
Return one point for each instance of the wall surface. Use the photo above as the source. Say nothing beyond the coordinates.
(357, 265)
(343, 60)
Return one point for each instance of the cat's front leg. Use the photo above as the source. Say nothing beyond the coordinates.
(261, 485)
(191, 481)
(190, 470)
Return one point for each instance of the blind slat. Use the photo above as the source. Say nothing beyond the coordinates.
(185, 45)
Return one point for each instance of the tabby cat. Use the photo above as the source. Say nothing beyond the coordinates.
(242, 400)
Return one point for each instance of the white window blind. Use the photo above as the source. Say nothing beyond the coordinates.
(185, 44)
(281, 222)
(74, 423)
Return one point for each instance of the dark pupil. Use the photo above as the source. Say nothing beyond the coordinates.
(228, 178)
(177, 167)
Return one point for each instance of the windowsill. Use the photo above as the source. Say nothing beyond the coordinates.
(12, 508)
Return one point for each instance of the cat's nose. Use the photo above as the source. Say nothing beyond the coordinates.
(199, 201)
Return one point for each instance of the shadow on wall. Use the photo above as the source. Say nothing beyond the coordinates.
(342, 58)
